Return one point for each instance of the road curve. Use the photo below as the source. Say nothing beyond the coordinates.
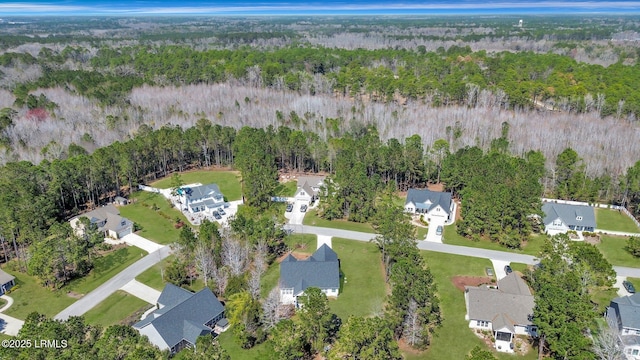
(110, 286)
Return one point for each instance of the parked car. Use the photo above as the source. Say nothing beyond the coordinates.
(303, 208)
(629, 287)
(289, 207)
(439, 230)
(221, 211)
(489, 271)
(508, 269)
(216, 215)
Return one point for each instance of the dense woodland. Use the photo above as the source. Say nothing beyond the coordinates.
(499, 115)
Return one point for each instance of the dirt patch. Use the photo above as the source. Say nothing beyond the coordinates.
(436, 187)
(593, 240)
(407, 349)
(74, 295)
(297, 255)
(461, 281)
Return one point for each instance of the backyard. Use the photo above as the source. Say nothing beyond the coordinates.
(613, 249)
(157, 225)
(615, 220)
(227, 181)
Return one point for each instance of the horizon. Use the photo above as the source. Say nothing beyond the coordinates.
(326, 8)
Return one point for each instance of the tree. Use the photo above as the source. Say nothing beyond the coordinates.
(204, 262)
(606, 346)
(176, 183)
(318, 324)
(365, 338)
(633, 246)
(287, 342)
(206, 348)
(479, 353)
(256, 161)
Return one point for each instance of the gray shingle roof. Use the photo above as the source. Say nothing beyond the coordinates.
(5, 277)
(627, 309)
(183, 317)
(508, 307)
(204, 191)
(427, 199)
(321, 270)
(569, 214)
(108, 213)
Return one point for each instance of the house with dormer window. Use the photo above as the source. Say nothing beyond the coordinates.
(560, 218)
(198, 198)
(623, 316)
(308, 188)
(431, 204)
(107, 219)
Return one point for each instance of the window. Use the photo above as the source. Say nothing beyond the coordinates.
(635, 352)
(482, 323)
(557, 222)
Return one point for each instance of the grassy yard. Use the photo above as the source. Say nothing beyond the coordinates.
(228, 181)
(421, 232)
(30, 296)
(451, 237)
(287, 189)
(153, 276)
(454, 339)
(609, 219)
(116, 309)
(362, 289)
(313, 219)
(612, 247)
(155, 227)
(263, 351)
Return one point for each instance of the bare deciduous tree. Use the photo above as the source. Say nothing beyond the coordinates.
(234, 255)
(204, 262)
(606, 345)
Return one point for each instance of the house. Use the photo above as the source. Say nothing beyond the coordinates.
(7, 281)
(433, 204)
(308, 188)
(181, 317)
(201, 198)
(505, 311)
(560, 218)
(623, 316)
(321, 270)
(108, 221)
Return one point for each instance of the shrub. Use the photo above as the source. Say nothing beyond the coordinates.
(633, 246)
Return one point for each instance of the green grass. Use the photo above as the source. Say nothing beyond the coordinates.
(609, 219)
(363, 288)
(612, 247)
(227, 181)
(306, 243)
(31, 296)
(454, 339)
(451, 237)
(115, 309)
(421, 232)
(105, 268)
(263, 351)
(153, 276)
(313, 219)
(602, 297)
(155, 227)
(287, 189)
(520, 267)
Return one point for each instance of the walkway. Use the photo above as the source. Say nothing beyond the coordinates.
(8, 324)
(96, 296)
(617, 233)
(324, 239)
(142, 291)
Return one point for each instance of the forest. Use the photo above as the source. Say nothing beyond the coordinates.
(499, 115)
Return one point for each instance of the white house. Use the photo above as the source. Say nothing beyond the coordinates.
(308, 188)
(433, 204)
(181, 317)
(505, 311)
(560, 218)
(107, 219)
(623, 316)
(321, 270)
(200, 198)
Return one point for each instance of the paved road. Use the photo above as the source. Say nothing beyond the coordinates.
(122, 278)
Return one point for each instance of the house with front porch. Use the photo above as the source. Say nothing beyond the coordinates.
(431, 204)
(308, 188)
(560, 218)
(107, 219)
(197, 198)
(321, 270)
(623, 316)
(505, 311)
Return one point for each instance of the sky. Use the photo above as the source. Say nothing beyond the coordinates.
(327, 7)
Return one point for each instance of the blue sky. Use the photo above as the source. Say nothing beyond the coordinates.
(355, 7)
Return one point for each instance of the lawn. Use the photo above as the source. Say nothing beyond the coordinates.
(609, 219)
(454, 339)
(362, 290)
(153, 276)
(313, 219)
(227, 341)
(155, 226)
(612, 247)
(421, 232)
(227, 181)
(451, 237)
(30, 296)
(116, 309)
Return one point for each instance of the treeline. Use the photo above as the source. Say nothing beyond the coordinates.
(34, 197)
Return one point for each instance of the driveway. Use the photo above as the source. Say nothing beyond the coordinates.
(142, 243)
(103, 291)
(8, 324)
(433, 228)
(618, 285)
(142, 291)
(498, 268)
